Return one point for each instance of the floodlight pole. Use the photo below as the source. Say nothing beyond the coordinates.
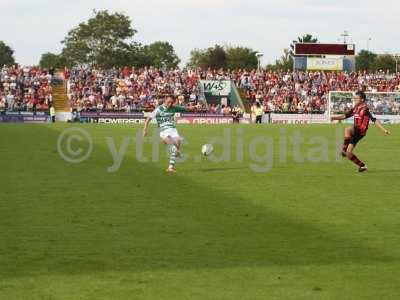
(345, 35)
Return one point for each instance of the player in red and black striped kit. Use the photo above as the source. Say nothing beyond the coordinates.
(352, 135)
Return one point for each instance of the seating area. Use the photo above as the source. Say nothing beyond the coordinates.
(132, 89)
(25, 89)
(136, 90)
(305, 92)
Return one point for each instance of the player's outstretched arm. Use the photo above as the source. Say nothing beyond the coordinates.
(338, 118)
(380, 126)
(378, 123)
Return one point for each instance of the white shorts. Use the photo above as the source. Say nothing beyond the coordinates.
(170, 132)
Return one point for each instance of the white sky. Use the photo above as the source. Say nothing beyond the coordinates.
(32, 27)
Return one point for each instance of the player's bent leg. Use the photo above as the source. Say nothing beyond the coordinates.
(349, 151)
(168, 140)
(351, 156)
(173, 141)
(177, 139)
(348, 133)
(178, 143)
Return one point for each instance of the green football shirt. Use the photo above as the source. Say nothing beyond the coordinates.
(165, 117)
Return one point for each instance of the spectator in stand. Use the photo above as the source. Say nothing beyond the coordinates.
(237, 113)
(226, 110)
(2, 103)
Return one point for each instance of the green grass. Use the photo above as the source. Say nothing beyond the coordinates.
(211, 231)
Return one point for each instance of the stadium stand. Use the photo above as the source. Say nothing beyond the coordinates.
(25, 89)
(131, 90)
(137, 90)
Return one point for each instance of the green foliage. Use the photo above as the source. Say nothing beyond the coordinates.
(365, 60)
(198, 58)
(213, 57)
(6, 55)
(217, 57)
(385, 62)
(369, 61)
(51, 60)
(161, 55)
(101, 41)
(224, 57)
(285, 63)
(106, 41)
(241, 58)
(271, 67)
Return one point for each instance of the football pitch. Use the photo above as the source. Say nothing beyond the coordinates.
(262, 219)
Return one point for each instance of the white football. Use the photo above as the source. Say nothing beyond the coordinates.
(207, 149)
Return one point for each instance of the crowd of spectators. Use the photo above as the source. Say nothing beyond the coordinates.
(25, 89)
(132, 89)
(382, 104)
(304, 92)
(129, 89)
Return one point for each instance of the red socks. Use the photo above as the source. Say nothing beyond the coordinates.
(355, 160)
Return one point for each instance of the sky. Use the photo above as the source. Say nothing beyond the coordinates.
(33, 27)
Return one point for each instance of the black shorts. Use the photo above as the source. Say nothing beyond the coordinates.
(356, 137)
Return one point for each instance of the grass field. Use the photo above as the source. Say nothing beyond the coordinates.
(214, 230)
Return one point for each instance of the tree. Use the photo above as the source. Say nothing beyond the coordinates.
(271, 67)
(216, 57)
(198, 58)
(365, 60)
(241, 58)
(223, 57)
(285, 62)
(161, 55)
(385, 62)
(51, 60)
(213, 57)
(101, 41)
(6, 55)
(306, 38)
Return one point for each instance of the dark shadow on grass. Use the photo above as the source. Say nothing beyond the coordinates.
(74, 219)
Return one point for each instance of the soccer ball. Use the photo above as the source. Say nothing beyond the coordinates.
(207, 149)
